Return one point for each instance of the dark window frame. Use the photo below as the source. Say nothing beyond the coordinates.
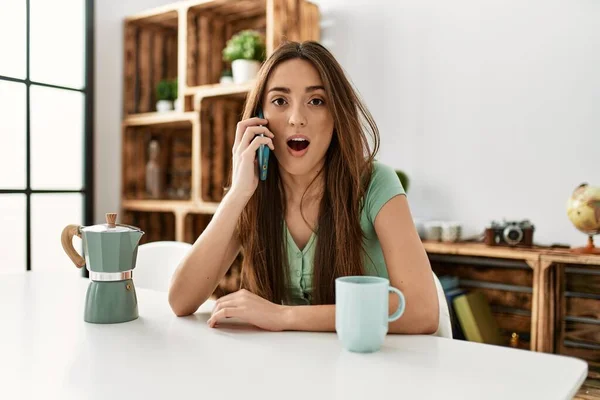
(87, 189)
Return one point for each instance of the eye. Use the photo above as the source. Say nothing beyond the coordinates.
(319, 102)
(278, 101)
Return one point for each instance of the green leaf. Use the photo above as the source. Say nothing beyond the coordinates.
(247, 45)
(404, 180)
(166, 89)
(163, 90)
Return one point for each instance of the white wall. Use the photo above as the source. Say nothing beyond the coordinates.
(490, 106)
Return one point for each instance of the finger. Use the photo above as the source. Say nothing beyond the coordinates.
(231, 296)
(251, 133)
(226, 304)
(224, 313)
(251, 150)
(242, 125)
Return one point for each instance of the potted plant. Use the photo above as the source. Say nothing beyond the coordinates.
(164, 96)
(174, 94)
(246, 51)
(226, 77)
(403, 179)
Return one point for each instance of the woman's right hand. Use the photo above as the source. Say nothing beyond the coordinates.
(245, 170)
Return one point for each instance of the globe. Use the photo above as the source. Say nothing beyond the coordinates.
(583, 210)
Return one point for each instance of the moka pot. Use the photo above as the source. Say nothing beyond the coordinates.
(110, 252)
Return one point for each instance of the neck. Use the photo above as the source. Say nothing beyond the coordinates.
(296, 186)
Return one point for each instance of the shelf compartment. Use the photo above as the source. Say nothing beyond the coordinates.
(195, 224)
(218, 120)
(174, 160)
(150, 55)
(209, 26)
(577, 320)
(506, 285)
(291, 20)
(157, 226)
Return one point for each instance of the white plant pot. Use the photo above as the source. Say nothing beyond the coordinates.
(164, 105)
(179, 105)
(244, 70)
(226, 80)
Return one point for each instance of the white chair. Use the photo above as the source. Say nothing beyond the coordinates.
(444, 325)
(156, 262)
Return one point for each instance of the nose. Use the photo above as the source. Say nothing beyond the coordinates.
(297, 118)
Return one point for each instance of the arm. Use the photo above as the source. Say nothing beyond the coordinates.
(214, 251)
(264, 314)
(408, 268)
(310, 318)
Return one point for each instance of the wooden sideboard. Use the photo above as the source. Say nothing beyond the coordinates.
(572, 326)
(554, 291)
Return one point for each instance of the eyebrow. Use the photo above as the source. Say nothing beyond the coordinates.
(287, 90)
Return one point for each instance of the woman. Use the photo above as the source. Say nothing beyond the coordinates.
(326, 209)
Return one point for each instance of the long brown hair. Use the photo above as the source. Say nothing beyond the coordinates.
(347, 173)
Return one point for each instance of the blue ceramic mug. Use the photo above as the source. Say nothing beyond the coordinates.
(361, 311)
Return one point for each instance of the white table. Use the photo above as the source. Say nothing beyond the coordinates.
(48, 351)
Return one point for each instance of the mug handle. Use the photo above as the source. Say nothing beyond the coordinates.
(401, 304)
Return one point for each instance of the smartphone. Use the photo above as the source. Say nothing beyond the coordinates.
(263, 153)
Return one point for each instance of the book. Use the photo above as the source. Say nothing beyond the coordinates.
(448, 282)
(457, 332)
(476, 318)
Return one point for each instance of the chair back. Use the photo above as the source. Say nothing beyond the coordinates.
(156, 263)
(445, 324)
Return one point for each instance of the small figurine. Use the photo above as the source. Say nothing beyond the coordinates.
(153, 171)
(514, 340)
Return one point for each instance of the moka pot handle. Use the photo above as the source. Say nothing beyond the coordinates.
(66, 239)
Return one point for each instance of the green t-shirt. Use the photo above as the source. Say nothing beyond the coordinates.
(384, 185)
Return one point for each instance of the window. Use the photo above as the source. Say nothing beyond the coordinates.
(46, 95)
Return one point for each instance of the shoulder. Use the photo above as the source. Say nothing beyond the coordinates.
(384, 173)
(383, 176)
(384, 185)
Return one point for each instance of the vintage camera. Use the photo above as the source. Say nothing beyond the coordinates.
(509, 233)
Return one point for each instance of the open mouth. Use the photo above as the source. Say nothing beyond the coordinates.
(298, 144)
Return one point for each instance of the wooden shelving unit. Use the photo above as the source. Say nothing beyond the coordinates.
(184, 41)
(547, 294)
(508, 278)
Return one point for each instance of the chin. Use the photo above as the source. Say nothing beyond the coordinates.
(298, 166)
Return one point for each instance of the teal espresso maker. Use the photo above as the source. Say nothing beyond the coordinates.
(110, 252)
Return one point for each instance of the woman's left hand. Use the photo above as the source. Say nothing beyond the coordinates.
(249, 308)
